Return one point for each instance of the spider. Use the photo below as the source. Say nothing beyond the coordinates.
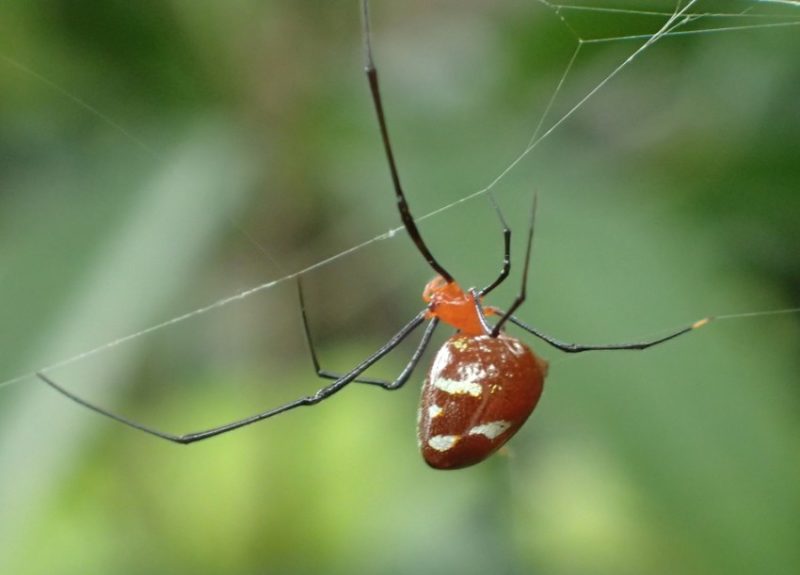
(483, 384)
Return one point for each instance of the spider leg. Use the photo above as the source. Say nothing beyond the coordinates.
(388, 385)
(402, 203)
(415, 357)
(401, 379)
(563, 346)
(576, 347)
(506, 269)
(313, 399)
(323, 373)
(407, 370)
(523, 288)
(487, 327)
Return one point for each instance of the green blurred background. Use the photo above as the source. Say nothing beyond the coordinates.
(158, 156)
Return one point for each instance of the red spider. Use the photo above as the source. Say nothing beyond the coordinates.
(483, 383)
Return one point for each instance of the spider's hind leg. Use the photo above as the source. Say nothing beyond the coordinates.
(385, 384)
(313, 399)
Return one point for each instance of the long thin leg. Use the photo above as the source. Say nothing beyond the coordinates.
(523, 288)
(320, 395)
(389, 385)
(416, 356)
(487, 328)
(506, 269)
(577, 347)
(563, 346)
(323, 373)
(402, 204)
(410, 366)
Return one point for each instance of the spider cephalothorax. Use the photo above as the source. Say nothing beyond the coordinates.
(452, 305)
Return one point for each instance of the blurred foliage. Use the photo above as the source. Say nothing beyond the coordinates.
(159, 156)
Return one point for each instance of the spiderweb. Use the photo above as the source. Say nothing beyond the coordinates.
(688, 18)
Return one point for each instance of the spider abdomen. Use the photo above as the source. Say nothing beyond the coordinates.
(478, 393)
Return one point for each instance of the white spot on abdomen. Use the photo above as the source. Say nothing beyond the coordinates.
(457, 386)
(491, 430)
(443, 442)
(434, 411)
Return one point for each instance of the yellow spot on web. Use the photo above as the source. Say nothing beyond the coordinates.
(701, 323)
